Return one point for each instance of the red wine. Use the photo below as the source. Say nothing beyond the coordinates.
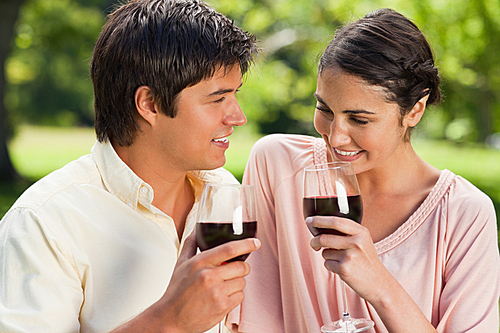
(329, 206)
(212, 234)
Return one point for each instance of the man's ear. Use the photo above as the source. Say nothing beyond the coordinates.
(413, 117)
(145, 104)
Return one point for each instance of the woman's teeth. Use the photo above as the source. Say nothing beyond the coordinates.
(346, 153)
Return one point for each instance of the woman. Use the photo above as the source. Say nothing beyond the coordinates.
(425, 258)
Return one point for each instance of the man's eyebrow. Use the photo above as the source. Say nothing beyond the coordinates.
(223, 91)
(362, 111)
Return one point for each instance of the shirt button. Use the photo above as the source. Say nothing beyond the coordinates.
(143, 191)
(131, 205)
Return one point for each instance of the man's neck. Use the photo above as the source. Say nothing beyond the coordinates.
(173, 193)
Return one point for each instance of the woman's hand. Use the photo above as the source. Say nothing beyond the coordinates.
(353, 256)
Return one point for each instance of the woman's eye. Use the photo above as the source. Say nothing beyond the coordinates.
(359, 121)
(322, 109)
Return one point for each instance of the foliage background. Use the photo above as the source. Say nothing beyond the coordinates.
(48, 80)
(48, 77)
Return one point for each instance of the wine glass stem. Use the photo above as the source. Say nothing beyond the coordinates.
(345, 315)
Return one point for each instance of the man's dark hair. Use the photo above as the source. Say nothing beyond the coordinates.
(167, 45)
(386, 49)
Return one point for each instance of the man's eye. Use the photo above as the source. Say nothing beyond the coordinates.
(220, 100)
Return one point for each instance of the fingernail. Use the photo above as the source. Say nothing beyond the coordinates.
(309, 220)
(256, 241)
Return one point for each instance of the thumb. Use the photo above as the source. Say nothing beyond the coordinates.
(188, 249)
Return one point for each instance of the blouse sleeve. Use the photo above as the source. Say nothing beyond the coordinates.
(469, 299)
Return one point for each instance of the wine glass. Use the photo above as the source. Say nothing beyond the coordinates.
(331, 189)
(226, 213)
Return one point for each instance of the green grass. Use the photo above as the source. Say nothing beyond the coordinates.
(36, 151)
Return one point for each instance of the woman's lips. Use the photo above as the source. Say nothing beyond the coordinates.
(347, 153)
(348, 156)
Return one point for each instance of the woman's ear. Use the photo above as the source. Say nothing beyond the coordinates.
(413, 117)
(145, 104)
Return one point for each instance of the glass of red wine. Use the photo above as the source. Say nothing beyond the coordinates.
(331, 189)
(226, 213)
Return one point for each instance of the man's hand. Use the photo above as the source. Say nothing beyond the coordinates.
(201, 291)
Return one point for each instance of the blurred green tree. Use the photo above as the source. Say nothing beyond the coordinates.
(465, 35)
(48, 81)
(48, 70)
(9, 10)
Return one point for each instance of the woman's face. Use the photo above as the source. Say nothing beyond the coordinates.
(357, 122)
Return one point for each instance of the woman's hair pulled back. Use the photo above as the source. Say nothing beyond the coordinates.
(386, 49)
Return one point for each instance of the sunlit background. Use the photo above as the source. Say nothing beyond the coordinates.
(48, 94)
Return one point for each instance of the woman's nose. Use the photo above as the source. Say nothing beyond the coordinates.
(339, 134)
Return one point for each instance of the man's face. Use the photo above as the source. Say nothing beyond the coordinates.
(197, 137)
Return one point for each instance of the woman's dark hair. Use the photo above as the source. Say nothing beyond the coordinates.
(386, 49)
(167, 45)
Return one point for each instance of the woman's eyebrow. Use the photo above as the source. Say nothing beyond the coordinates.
(362, 111)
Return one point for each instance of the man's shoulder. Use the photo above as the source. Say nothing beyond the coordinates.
(75, 173)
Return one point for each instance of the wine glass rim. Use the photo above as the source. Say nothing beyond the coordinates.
(329, 165)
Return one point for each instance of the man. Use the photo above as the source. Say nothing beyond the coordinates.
(96, 246)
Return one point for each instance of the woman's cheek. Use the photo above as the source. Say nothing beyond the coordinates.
(321, 124)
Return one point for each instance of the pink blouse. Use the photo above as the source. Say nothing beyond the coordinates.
(445, 255)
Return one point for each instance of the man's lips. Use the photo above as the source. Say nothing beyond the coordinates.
(221, 140)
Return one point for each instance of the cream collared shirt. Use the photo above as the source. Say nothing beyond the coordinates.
(84, 249)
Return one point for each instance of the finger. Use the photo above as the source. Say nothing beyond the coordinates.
(335, 255)
(235, 285)
(235, 299)
(334, 266)
(343, 225)
(335, 242)
(233, 270)
(229, 250)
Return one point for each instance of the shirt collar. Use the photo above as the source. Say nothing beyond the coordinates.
(122, 182)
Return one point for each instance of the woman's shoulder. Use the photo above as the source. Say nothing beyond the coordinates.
(279, 140)
(283, 155)
(466, 201)
(462, 191)
(284, 146)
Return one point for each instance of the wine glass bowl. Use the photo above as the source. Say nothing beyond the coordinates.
(331, 189)
(226, 213)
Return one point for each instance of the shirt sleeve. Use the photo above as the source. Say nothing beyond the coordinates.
(469, 299)
(40, 291)
(262, 291)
